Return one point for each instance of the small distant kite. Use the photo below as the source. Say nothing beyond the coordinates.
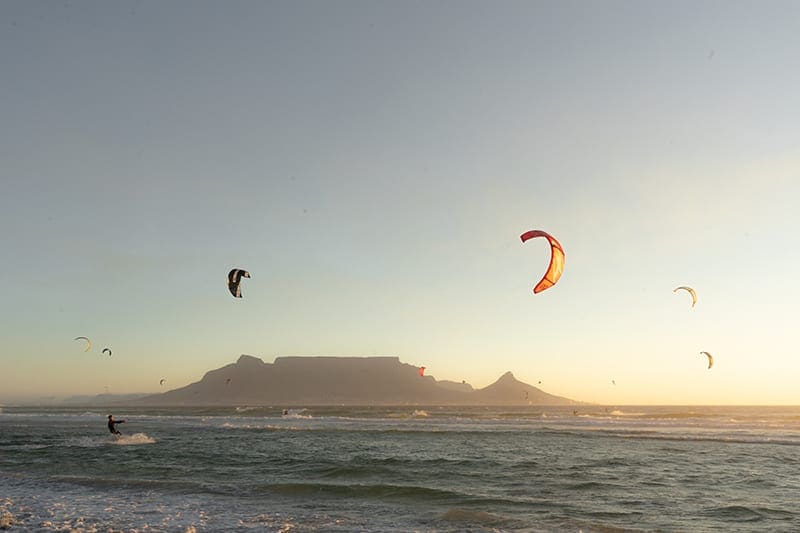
(710, 359)
(107, 350)
(88, 342)
(234, 278)
(161, 382)
(613, 382)
(690, 291)
(557, 256)
(421, 371)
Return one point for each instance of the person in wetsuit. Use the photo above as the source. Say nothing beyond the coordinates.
(112, 423)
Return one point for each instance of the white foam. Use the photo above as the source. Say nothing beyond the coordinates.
(617, 412)
(6, 520)
(136, 438)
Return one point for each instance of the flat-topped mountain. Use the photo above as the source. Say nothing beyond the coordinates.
(342, 381)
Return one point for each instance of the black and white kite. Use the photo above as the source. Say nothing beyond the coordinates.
(234, 278)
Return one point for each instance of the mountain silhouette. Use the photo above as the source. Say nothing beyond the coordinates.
(323, 380)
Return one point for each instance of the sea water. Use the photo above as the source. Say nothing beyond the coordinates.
(401, 469)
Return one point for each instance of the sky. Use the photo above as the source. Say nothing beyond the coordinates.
(373, 165)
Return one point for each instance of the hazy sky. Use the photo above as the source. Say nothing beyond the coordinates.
(373, 164)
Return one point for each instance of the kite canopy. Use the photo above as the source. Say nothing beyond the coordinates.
(557, 256)
(234, 278)
(161, 382)
(107, 350)
(88, 342)
(690, 291)
(710, 359)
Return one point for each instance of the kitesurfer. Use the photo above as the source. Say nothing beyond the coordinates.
(112, 425)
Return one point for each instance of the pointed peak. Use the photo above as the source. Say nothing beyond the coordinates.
(505, 381)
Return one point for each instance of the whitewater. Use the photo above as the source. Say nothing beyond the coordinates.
(404, 468)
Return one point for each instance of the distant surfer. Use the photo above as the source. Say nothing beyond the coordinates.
(112, 425)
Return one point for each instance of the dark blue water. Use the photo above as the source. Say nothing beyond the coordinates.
(402, 469)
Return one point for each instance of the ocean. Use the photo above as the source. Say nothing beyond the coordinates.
(406, 468)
